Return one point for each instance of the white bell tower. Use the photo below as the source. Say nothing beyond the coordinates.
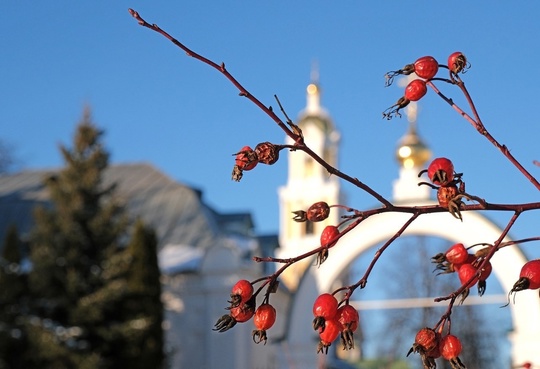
(308, 183)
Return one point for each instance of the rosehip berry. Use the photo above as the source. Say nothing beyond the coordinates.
(467, 270)
(318, 212)
(426, 67)
(426, 339)
(238, 314)
(328, 234)
(441, 171)
(456, 254)
(324, 308)
(328, 335)
(425, 344)
(415, 90)
(264, 319)
(246, 159)
(243, 312)
(267, 153)
(529, 277)
(457, 62)
(450, 348)
(349, 319)
(465, 273)
(241, 292)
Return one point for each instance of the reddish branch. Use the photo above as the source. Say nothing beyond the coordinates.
(356, 217)
(479, 126)
(293, 132)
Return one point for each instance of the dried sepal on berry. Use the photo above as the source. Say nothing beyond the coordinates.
(237, 173)
(393, 111)
(238, 314)
(405, 71)
(300, 216)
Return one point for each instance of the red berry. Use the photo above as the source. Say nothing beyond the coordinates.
(441, 171)
(242, 313)
(426, 339)
(426, 67)
(415, 90)
(324, 308)
(457, 62)
(267, 153)
(318, 212)
(328, 335)
(457, 254)
(264, 319)
(328, 234)
(467, 270)
(465, 273)
(241, 292)
(348, 317)
(450, 347)
(529, 277)
(246, 159)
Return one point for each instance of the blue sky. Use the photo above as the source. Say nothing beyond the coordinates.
(159, 106)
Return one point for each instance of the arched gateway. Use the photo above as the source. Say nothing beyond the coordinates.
(297, 238)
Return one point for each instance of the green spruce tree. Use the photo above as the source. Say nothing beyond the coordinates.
(13, 303)
(80, 266)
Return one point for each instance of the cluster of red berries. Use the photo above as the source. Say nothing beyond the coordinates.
(450, 188)
(248, 158)
(242, 309)
(426, 69)
(431, 345)
(467, 266)
(332, 321)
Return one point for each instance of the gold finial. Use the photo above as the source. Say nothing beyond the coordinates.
(412, 152)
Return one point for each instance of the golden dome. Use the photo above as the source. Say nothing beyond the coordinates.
(411, 151)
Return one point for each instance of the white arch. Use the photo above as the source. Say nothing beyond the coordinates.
(475, 228)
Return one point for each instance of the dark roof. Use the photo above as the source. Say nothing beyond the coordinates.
(173, 209)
